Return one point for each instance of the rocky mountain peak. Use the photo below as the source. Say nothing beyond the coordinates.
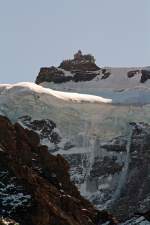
(80, 61)
(81, 68)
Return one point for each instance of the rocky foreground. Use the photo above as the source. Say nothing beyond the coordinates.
(35, 187)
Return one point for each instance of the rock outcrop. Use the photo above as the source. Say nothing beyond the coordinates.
(133, 73)
(35, 188)
(81, 68)
(80, 62)
(52, 74)
(144, 74)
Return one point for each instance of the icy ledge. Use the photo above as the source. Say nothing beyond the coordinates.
(27, 87)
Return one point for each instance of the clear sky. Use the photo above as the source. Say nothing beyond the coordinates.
(37, 33)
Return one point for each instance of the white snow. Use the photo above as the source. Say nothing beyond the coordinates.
(66, 73)
(102, 113)
(118, 87)
(27, 87)
(12, 199)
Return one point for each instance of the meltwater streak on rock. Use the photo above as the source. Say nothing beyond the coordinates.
(122, 180)
(91, 156)
(85, 145)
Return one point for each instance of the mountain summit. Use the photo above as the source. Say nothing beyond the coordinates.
(82, 66)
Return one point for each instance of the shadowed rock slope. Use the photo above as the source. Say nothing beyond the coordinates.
(35, 187)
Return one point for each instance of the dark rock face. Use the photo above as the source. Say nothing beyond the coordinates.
(57, 76)
(81, 68)
(132, 73)
(35, 188)
(51, 74)
(45, 128)
(105, 73)
(107, 166)
(73, 66)
(80, 62)
(83, 76)
(135, 195)
(145, 75)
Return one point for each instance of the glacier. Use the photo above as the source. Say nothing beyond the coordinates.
(93, 120)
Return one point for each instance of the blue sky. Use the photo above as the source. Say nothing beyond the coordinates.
(37, 33)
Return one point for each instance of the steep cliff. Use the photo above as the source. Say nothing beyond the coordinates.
(35, 187)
